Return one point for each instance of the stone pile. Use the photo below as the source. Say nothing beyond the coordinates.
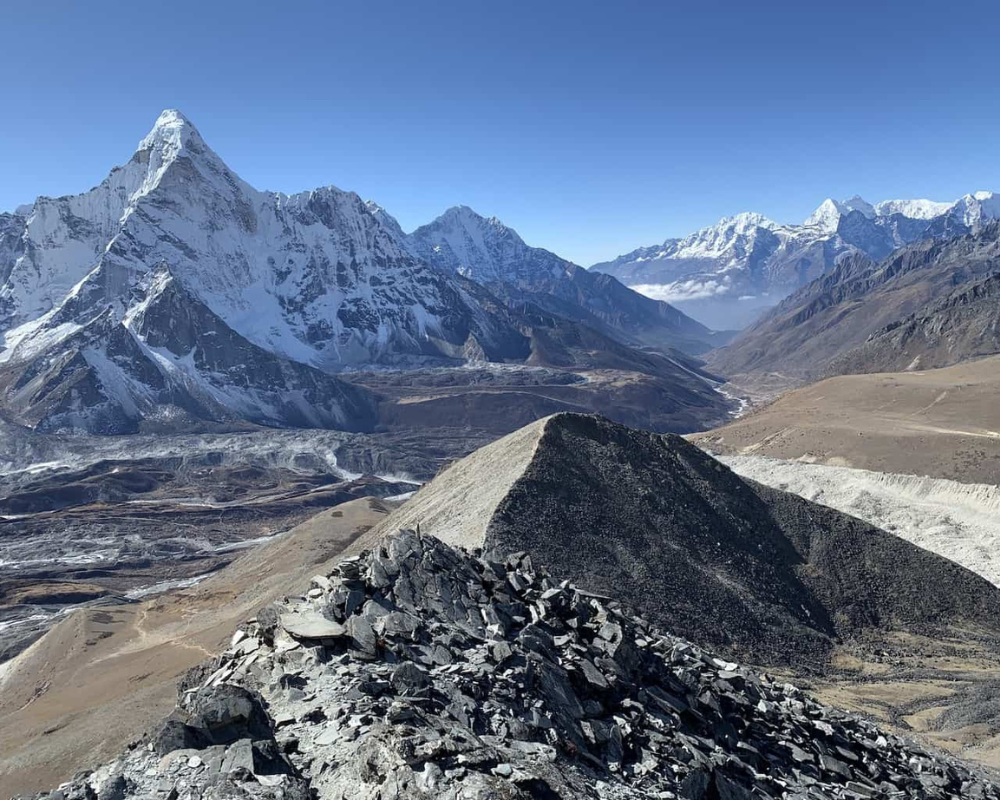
(421, 671)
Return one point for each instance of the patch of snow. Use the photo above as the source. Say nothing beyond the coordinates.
(956, 520)
(164, 586)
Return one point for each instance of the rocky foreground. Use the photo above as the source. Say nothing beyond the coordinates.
(418, 671)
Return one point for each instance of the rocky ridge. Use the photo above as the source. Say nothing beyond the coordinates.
(964, 326)
(418, 670)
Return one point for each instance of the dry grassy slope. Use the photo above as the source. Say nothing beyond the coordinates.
(942, 423)
(458, 504)
(102, 677)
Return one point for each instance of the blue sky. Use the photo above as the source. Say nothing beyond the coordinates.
(592, 128)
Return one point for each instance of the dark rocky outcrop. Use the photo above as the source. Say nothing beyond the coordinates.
(965, 326)
(657, 523)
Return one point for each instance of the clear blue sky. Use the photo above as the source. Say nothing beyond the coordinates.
(592, 128)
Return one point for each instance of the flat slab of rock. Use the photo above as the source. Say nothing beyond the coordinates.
(311, 625)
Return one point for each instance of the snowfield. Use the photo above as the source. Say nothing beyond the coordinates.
(960, 521)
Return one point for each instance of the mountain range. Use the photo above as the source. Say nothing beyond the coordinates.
(805, 332)
(963, 326)
(726, 274)
(176, 294)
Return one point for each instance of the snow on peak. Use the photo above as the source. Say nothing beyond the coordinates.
(744, 222)
(858, 203)
(475, 225)
(978, 208)
(913, 209)
(388, 221)
(172, 130)
(828, 215)
(481, 248)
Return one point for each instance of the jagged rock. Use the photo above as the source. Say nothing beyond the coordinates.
(571, 697)
(311, 625)
(177, 735)
(115, 788)
(268, 619)
(226, 713)
(409, 680)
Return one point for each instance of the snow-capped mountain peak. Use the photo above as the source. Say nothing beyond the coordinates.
(172, 130)
(977, 208)
(478, 247)
(827, 216)
(388, 221)
(743, 222)
(473, 222)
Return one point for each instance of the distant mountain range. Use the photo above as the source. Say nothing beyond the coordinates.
(929, 304)
(176, 294)
(726, 274)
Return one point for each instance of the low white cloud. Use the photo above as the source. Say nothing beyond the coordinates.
(693, 289)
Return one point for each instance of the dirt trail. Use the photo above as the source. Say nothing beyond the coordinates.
(103, 676)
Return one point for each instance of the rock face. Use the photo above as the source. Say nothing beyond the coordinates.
(840, 310)
(171, 362)
(748, 262)
(656, 522)
(458, 676)
(964, 326)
